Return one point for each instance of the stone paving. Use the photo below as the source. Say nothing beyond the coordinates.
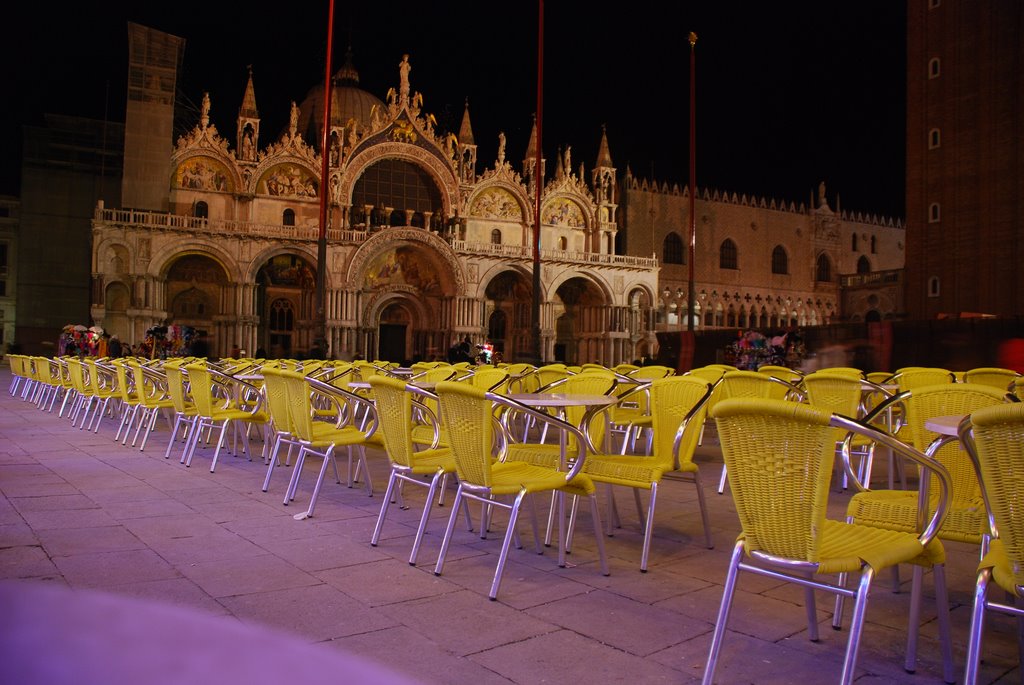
(83, 512)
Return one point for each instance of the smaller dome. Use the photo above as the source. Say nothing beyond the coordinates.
(348, 101)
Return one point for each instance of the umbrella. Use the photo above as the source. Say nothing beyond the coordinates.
(80, 328)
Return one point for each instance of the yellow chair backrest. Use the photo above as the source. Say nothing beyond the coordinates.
(780, 457)
(394, 416)
(996, 377)
(997, 434)
(467, 414)
(674, 400)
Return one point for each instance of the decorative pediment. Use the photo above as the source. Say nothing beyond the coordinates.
(503, 172)
(293, 146)
(288, 180)
(202, 138)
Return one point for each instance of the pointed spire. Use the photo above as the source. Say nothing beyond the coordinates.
(604, 157)
(531, 147)
(248, 108)
(466, 130)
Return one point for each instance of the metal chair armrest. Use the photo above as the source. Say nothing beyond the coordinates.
(926, 462)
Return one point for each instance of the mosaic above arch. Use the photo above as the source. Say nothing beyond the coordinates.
(563, 212)
(203, 173)
(288, 180)
(402, 266)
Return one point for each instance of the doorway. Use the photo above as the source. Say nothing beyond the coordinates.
(392, 342)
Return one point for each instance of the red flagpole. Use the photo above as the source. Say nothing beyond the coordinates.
(691, 303)
(539, 186)
(325, 147)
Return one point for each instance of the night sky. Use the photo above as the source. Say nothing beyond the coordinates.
(788, 94)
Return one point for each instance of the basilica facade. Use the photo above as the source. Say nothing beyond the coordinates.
(429, 246)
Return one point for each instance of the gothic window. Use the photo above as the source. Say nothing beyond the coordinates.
(863, 265)
(496, 236)
(282, 315)
(727, 257)
(563, 244)
(933, 67)
(873, 245)
(934, 139)
(823, 269)
(672, 249)
(202, 210)
(934, 213)
(853, 242)
(288, 217)
(780, 260)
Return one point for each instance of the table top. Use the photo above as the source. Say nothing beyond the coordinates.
(561, 399)
(944, 425)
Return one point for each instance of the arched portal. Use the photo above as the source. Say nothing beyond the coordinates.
(509, 299)
(285, 292)
(581, 322)
(198, 294)
(393, 331)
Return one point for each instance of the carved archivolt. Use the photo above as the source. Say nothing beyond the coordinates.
(201, 172)
(442, 172)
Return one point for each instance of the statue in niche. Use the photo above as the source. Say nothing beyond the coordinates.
(248, 149)
(293, 119)
(501, 147)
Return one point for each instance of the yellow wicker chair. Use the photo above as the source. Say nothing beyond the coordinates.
(299, 391)
(275, 391)
(780, 457)
(911, 377)
(996, 377)
(469, 414)
(678, 408)
(633, 414)
(784, 372)
(394, 403)
(844, 370)
(899, 509)
(738, 383)
(102, 389)
(185, 411)
(840, 393)
(993, 437)
(220, 412)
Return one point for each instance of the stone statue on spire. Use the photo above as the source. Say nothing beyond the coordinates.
(403, 86)
(501, 147)
(293, 120)
(204, 116)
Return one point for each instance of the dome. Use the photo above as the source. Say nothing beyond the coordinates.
(348, 101)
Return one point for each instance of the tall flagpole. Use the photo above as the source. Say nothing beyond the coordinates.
(325, 147)
(538, 187)
(691, 299)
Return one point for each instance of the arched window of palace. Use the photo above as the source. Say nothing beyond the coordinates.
(563, 243)
(288, 217)
(823, 269)
(780, 260)
(202, 210)
(727, 255)
(863, 265)
(496, 236)
(672, 249)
